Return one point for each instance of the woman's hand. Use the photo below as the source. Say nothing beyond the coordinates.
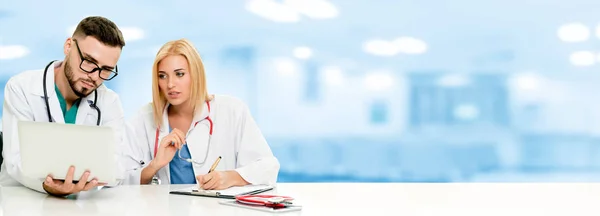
(218, 180)
(167, 148)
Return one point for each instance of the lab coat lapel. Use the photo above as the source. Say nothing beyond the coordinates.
(200, 113)
(163, 131)
(55, 109)
(84, 109)
(198, 140)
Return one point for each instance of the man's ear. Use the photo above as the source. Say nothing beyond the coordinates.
(67, 46)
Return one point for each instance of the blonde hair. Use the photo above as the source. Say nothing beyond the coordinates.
(198, 89)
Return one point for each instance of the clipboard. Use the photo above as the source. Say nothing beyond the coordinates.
(229, 193)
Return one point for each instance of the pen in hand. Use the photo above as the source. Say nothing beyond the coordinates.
(214, 166)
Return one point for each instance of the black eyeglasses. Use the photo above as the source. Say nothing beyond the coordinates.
(91, 67)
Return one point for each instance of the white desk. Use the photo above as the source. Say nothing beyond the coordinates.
(318, 199)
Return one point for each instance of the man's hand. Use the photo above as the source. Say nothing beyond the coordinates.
(62, 188)
(219, 180)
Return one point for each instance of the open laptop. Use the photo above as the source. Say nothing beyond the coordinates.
(53, 147)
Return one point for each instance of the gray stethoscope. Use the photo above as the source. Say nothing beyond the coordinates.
(92, 104)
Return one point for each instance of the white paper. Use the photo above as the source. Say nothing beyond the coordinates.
(232, 191)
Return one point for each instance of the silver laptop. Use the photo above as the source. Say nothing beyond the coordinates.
(53, 147)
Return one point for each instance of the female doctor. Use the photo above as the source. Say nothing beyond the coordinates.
(178, 137)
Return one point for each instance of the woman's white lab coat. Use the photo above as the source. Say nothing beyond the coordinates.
(236, 138)
(24, 101)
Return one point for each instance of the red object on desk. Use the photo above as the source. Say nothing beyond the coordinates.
(273, 201)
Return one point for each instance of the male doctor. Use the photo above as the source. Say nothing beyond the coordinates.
(75, 95)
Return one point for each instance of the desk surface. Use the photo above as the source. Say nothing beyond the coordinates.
(325, 199)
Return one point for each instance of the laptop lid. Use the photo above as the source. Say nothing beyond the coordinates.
(53, 147)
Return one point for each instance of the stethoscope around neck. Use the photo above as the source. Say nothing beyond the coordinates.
(210, 132)
(92, 104)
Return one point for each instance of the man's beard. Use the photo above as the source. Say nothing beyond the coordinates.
(69, 74)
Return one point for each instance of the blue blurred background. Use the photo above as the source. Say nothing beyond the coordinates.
(358, 90)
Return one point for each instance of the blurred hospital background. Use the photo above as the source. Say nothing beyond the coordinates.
(364, 90)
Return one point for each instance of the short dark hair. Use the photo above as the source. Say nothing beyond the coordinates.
(102, 29)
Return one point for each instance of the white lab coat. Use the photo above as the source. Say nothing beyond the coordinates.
(24, 100)
(236, 138)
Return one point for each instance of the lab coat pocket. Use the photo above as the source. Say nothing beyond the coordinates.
(92, 117)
